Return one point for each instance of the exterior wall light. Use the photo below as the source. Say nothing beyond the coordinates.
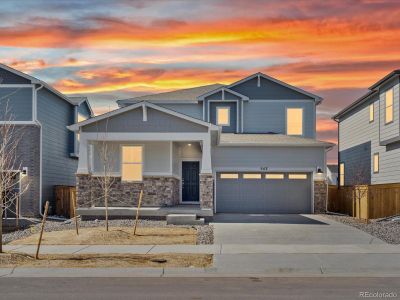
(24, 171)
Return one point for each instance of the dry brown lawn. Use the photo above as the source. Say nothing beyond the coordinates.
(115, 236)
(10, 260)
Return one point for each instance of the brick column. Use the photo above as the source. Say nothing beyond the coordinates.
(320, 196)
(84, 190)
(206, 191)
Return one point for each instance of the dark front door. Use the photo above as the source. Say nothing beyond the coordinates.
(190, 181)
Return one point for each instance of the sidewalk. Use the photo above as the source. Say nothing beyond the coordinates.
(234, 260)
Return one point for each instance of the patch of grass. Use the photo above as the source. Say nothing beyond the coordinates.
(115, 236)
(10, 260)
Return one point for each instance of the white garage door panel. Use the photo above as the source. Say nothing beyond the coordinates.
(263, 195)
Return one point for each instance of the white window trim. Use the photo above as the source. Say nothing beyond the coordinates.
(389, 122)
(373, 162)
(302, 120)
(229, 115)
(122, 162)
(371, 106)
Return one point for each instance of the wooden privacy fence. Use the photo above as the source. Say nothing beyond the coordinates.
(365, 201)
(65, 200)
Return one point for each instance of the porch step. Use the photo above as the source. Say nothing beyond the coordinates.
(184, 219)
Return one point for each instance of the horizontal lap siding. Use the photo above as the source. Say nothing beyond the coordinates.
(253, 158)
(191, 110)
(18, 102)
(355, 130)
(270, 116)
(55, 114)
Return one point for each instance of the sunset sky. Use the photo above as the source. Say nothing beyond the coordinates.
(112, 50)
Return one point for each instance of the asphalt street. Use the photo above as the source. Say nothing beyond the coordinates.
(199, 288)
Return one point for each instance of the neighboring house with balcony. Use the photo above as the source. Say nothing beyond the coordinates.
(247, 147)
(47, 151)
(369, 135)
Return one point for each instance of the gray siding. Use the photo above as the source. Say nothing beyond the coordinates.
(29, 156)
(132, 121)
(267, 90)
(19, 102)
(253, 158)
(390, 130)
(194, 110)
(232, 128)
(55, 114)
(218, 96)
(355, 129)
(7, 77)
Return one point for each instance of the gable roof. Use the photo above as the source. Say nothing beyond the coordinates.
(259, 74)
(143, 105)
(78, 100)
(373, 90)
(35, 80)
(271, 140)
(222, 89)
(184, 95)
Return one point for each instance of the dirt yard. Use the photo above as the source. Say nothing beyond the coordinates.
(115, 236)
(10, 260)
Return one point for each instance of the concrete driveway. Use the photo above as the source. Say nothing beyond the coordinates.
(285, 230)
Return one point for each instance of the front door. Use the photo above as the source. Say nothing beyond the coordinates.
(190, 181)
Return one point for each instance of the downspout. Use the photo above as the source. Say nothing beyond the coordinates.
(40, 150)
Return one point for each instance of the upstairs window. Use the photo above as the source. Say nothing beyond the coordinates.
(223, 116)
(132, 163)
(294, 121)
(341, 174)
(371, 112)
(376, 163)
(389, 106)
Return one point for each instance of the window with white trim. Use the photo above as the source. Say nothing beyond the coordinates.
(376, 163)
(371, 112)
(389, 106)
(274, 176)
(229, 176)
(132, 163)
(251, 176)
(294, 121)
(341, 174)
(297, 176)
(223, 116)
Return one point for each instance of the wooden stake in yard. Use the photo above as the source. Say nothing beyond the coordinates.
(137, 211)
(46, 209)
(76, 216)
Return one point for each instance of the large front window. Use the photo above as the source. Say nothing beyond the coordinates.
(223, 116)
(132, 163)
(294, 121)
(389, 106)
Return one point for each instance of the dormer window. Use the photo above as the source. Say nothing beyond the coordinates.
(294, 121)
(389, 106)
(223, 116)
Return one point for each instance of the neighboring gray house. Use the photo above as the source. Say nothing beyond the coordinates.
(48, 151)
(369, 135)
(247, 147)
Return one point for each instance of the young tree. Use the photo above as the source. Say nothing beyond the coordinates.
(359, 186)
(12, 184)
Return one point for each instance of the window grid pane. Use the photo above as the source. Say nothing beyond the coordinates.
(274, 176)
(223, 116)
(229, 176)
(341, 174)
(376, 163)
(131, 172)
(132, 154)
(251, 176)
(297, 176)
(371, 112)
(389, 106)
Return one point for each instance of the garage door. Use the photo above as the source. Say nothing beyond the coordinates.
(241, 192)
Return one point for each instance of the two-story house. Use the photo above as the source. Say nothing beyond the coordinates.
(47, 152)
(369, 135)
(247, 147)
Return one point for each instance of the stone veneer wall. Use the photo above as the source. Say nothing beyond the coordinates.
(206, 191)
(157, 191)
(320, 196)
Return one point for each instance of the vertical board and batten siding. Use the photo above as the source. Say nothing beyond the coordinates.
(270, 116)
(268, 90)
(390, 130)
(194, 110)
(253, 158)
(84, 110)
(232, 128)
(55, 114)
(18, 101)
(355, 130)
